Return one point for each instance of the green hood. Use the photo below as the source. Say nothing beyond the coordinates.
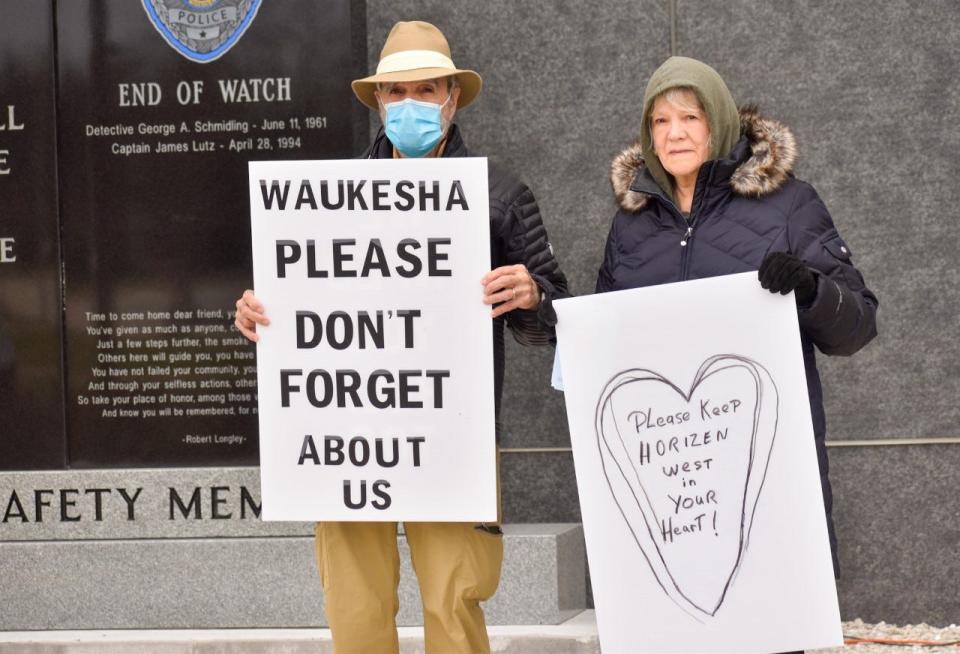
(717, 102)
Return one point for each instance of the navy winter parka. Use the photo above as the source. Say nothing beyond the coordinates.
(517, 235)
(744, 207)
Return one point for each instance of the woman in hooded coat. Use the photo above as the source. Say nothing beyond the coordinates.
(709, 190)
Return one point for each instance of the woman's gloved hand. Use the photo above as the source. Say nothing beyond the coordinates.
(782, 272)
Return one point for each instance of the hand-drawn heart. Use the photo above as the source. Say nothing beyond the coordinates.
(686, 469)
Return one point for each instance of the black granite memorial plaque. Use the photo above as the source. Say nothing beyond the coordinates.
(162, 104)
(31, 379)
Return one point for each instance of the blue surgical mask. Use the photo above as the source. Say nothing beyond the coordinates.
(414, 127)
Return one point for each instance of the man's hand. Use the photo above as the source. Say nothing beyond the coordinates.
(511, 287)
(249, 315)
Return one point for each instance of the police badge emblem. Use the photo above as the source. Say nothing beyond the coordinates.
(201, 30)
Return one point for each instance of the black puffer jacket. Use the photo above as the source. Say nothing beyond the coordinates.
(744, 207)
(517, 235)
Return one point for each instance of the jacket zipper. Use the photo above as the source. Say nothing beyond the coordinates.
(688, 235)
(685, 253)
(687, 241)
(686, 245)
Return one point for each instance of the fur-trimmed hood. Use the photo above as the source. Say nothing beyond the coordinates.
(773, 151)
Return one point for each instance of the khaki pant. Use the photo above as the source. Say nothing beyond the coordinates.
(457, 566)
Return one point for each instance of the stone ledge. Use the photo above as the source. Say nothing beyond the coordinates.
(207, 583)
(576, 636)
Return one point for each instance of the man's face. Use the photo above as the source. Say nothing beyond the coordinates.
(429, 90)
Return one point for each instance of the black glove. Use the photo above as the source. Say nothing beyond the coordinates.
(781, 273)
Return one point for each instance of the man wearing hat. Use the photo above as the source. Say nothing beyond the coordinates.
(417, 90)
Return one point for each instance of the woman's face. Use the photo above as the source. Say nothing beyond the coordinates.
(681, 135)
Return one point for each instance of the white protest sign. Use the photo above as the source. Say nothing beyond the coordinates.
(375, 376)
(696, 468)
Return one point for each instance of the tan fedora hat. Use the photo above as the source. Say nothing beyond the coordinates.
(416, 51)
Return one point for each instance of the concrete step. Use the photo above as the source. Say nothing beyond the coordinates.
(575, 636)
(252, 582)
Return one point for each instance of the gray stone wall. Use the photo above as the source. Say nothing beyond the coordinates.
(870, 91)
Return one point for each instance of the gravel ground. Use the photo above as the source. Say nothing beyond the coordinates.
(884, 631)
